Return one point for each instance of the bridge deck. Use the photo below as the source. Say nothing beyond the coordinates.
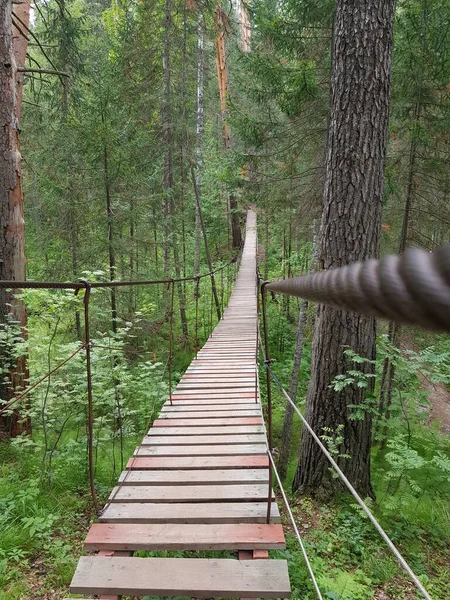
(199, 480)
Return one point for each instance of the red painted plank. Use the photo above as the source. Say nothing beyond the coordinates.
(129, 536)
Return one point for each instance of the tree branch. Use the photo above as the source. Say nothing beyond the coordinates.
(45, 71)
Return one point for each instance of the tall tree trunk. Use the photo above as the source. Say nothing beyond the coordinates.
(168, 181)
(132, 259)
(285, 449)
(12, 233)
(110, 230)
(244, 25)
(222, 74)
(199, 127)
(351, 219)
(167, 138)
(214, 295)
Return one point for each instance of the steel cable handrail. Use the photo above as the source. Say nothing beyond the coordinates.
(411, 288)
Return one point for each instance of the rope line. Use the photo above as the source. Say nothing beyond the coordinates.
(352, 490)
(273, 469)
(411, 288)
(39, 381)
(294, 525)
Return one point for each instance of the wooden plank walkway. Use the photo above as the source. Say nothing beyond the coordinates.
(198, 481)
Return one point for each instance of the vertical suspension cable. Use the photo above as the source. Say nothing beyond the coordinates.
(269, 394)
(196, 296)
(257, 340)
(169, 365)
(90, 424)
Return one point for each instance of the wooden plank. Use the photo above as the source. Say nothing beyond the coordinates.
(214, 377)
(186, 394)
(206, 422)
(225, 578)
(200, 402)
(203, 440)
(220, 512)
(221, 430)
(213, 450)
(198, 462)
(186, 477)
(226, 536)
(188, 493)
(211, 414)
(171, 408)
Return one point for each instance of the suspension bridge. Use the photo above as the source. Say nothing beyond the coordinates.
(199, 481)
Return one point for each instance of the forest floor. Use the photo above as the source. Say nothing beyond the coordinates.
(439, 399)
(438, 393)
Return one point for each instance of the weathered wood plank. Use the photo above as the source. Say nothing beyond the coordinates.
(227, 536)
(213, 450)
(201, 402)
(203, 440)
(211, 414)
(220, 512)
(194, 493)
(186, 477)
(198, 462)
(206, 422)
(226, 578)
(171, 408)
(220, 430)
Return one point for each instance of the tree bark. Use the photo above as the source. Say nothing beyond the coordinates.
(200, 123)
(13, 50)
(351, 219)
(168, 180)
(222, 75)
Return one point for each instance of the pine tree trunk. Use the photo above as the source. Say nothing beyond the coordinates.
(222, 75)
(167, 141)
(168, 180)
(361, 64)
(12, 234)
(110, 231)
(200, 122)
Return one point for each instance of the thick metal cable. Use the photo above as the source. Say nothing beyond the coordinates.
(352, 490)
(412, 288)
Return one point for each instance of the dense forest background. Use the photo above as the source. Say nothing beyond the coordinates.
(140, 120)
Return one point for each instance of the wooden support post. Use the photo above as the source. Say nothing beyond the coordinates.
(112, 553)
(250, 555)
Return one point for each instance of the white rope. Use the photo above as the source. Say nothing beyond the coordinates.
(294, 525)
(352, 490)
(283, 493)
